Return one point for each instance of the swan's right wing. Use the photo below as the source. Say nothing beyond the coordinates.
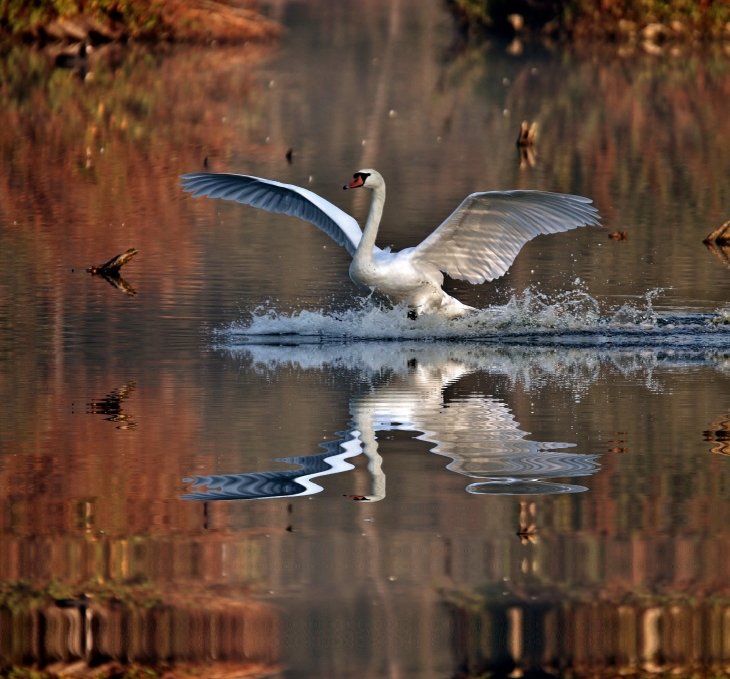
(481, 239)
(276, 197)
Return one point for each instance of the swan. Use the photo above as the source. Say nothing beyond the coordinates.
(478, 242)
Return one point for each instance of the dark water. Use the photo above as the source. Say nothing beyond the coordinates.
(545, 485)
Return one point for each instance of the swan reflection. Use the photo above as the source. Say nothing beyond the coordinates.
(478, 433)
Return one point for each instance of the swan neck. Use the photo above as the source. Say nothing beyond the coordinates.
(370, 232)
(370, 448)
(364, 421)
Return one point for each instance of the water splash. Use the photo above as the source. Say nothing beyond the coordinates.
(573, 317)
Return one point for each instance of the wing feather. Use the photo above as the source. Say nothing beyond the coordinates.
(479, 241)
(276, 197)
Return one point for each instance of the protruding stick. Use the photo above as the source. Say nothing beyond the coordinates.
(113, 265)
(721, 235)
(528, 134)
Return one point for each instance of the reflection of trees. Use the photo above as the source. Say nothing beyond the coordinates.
(504, 631)
(132, 122)
(216, 633)
(89, 167)
(630, 133)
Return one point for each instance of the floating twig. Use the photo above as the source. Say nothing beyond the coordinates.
(718, 243)
(720, 236)
(526, 144)
(109, 271)
(719, 433)
(111, 406)
(111, 268)
(528, 134)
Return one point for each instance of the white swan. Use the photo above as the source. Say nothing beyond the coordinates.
(477, 243)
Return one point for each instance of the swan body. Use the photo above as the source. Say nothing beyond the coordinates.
(478, 242)
(395, 276)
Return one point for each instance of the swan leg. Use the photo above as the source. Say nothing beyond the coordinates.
(440, 304)
(453, 308)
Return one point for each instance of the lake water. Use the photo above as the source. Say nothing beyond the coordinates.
(230, 459)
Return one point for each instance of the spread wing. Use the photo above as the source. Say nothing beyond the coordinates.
(481, 239)
(276, 197)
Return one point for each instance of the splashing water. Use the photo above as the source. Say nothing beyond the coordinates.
(572, 317)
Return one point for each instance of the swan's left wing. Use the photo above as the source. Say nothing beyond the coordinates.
(276, 197)
(481, 239)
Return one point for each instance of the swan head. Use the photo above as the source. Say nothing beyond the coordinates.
(368, 179)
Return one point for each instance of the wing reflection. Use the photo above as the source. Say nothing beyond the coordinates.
(285, 483)
(479, 433)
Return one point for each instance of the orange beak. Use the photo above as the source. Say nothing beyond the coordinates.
(357, 181)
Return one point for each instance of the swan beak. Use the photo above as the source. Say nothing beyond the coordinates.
(357, 181)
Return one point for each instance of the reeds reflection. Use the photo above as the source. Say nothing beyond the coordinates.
(479, 433)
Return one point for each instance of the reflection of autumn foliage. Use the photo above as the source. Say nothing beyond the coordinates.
(602, 638)
(129, 127)
(629, 133)
(109, 627)
(646, 161)
(89, 168)
(122, 134)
